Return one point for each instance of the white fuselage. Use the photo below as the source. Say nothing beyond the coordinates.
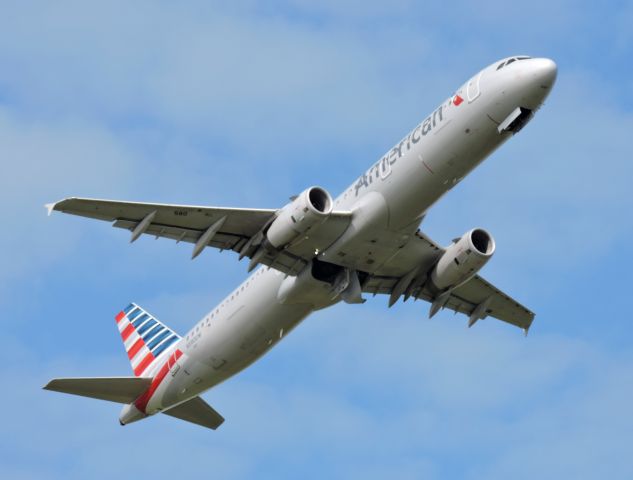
(393, 195)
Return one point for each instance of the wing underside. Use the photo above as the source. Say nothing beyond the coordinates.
(242, 230)
(236, 229)
(465, 299)
(476, 298)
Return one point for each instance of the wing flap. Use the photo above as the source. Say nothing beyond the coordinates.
(196, 411)
(112, 389)
(220, 240)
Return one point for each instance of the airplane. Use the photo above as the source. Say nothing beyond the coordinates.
(317, 251)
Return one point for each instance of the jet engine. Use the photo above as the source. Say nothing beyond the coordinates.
(308, 210)
(463, 259)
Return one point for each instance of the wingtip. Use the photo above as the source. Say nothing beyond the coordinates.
(50, 207)
(48, 385)
(526, 329)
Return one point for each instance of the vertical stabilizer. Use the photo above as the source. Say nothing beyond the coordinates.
(145, 338)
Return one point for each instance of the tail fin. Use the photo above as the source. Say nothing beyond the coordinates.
(145, 338)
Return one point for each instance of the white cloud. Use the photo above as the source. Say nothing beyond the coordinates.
(43, 163)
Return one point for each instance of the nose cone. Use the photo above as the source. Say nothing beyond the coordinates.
(538, 78)
(129, 414)
(544, 72)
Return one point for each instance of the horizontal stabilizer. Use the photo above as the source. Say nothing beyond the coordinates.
(113, 389)
(196, 411)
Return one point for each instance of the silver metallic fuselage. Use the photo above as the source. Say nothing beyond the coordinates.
(393, 195)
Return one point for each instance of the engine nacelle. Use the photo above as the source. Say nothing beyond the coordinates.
(463, 259)
(308, 210)
(305, 288)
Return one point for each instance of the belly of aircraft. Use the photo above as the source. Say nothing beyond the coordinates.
(228, 344)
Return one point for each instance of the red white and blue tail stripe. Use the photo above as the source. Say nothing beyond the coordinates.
(145, 338)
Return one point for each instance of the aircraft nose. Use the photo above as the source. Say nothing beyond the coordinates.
(538, 79)
(544, 71)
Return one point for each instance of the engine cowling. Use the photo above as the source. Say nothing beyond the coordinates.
(463, 259)
(311, 208)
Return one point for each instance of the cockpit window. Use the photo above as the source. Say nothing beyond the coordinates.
(510, 60)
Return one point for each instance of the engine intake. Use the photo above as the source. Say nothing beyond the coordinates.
(463, 259)
(311, 208)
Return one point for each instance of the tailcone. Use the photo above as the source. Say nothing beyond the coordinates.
(129, 414)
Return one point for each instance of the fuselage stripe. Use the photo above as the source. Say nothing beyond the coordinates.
(143, 400)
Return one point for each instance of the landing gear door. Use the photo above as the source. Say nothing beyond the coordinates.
(473, 90)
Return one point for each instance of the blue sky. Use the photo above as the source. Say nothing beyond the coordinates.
(245, 105)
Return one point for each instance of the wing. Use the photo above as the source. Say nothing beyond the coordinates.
(237, 229)
(476, 298)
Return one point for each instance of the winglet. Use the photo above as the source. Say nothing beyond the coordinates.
(50, 207)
